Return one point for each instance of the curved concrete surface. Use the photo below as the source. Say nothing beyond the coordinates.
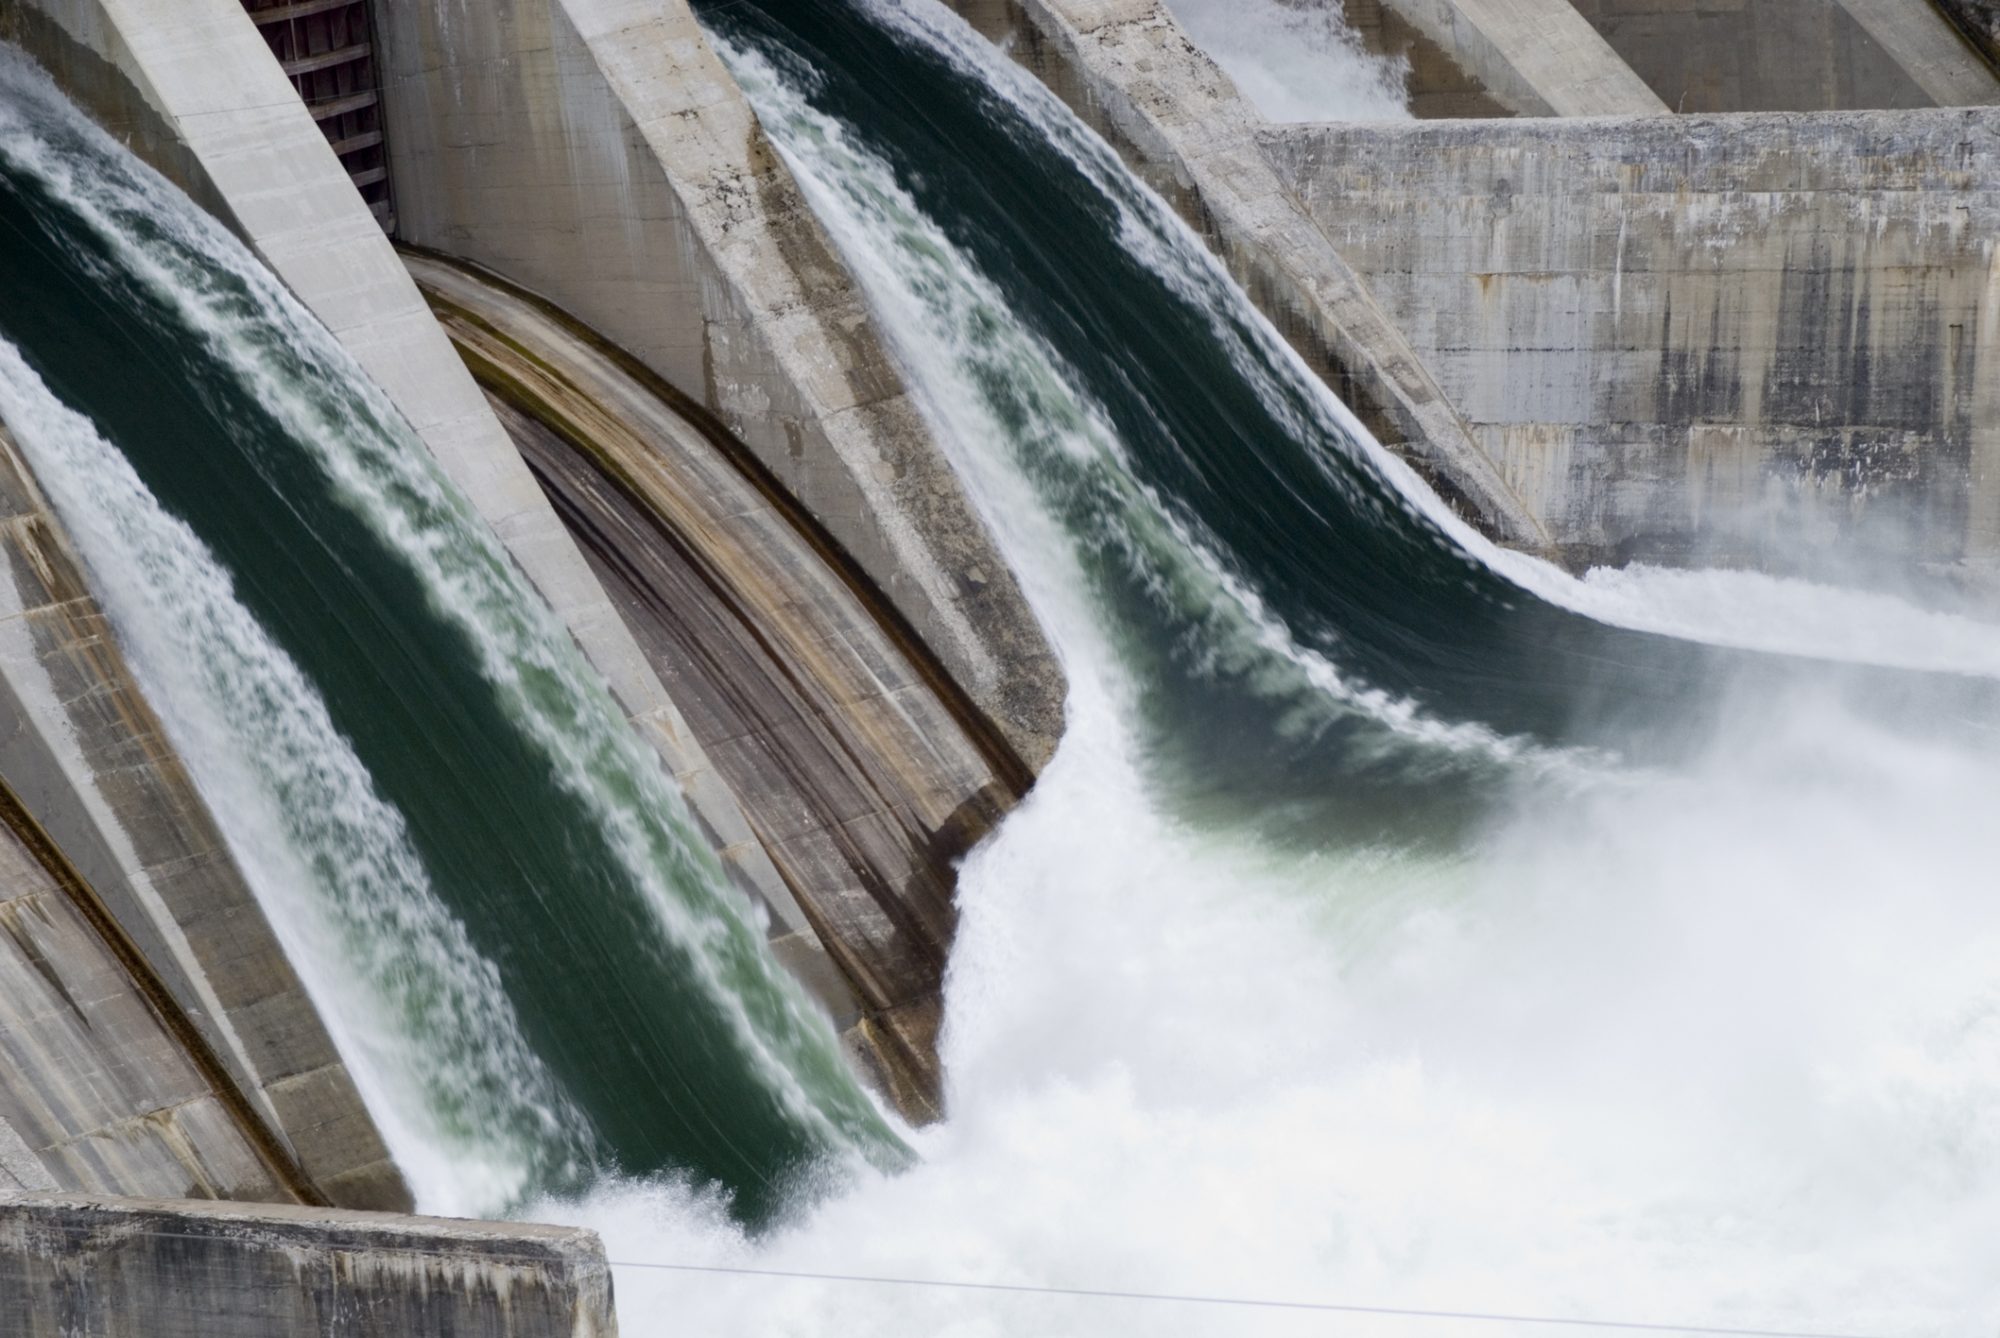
(863, 768)
(598, 152)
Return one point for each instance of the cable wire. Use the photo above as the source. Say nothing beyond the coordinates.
(1245, 1302)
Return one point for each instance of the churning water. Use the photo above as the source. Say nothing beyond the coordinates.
(1574, 1022)
(1402, 923)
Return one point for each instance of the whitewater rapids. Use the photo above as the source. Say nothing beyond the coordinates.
(1717, 1044)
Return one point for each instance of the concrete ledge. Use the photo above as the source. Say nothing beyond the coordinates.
(80, 1267)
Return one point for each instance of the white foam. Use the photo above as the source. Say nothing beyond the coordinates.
(1721, 1047)
(1297, 60)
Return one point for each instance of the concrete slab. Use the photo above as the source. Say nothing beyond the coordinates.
(87, 1267)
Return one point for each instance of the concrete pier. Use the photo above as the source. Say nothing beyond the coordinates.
(599, 154)
(82, 1267)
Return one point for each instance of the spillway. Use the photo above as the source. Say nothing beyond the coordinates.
(861, 766)
(1403, 924)
(400, 743)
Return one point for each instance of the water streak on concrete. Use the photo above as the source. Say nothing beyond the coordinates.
(863, 769)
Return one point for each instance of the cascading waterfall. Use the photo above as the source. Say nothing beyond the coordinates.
(1704, 1035)
(401, 743)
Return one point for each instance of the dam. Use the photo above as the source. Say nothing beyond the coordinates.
(991, 666)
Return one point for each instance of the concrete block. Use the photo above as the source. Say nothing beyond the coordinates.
(77, 1267)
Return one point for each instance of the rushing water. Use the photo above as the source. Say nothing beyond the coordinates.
(1297, 60)
(491, 885)
(1402, 923)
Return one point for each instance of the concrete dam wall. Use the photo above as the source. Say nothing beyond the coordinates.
(1719, 338)
(1604, 330)
(84, 1267)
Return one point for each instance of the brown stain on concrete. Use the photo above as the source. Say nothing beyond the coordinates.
(864, 770)
(271, 1150)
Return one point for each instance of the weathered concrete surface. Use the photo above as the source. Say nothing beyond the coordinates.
(78, 1267)
(598, 153)
(1788, 55)
(1743, 339)
(1978, 21)
(1535, 57)
(862, 767)
(95, 1092)
(1924, 46)
(87, 758)
(1435, 83)
(1129, 71)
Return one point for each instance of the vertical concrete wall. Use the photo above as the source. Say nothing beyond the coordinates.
(86, 757)
(1747, 339)
(599, 154)
(1130, 71)
(73, 1267)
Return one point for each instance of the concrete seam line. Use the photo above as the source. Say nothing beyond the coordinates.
(263, 1140)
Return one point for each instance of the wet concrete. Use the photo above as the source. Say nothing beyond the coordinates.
(863, 769)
